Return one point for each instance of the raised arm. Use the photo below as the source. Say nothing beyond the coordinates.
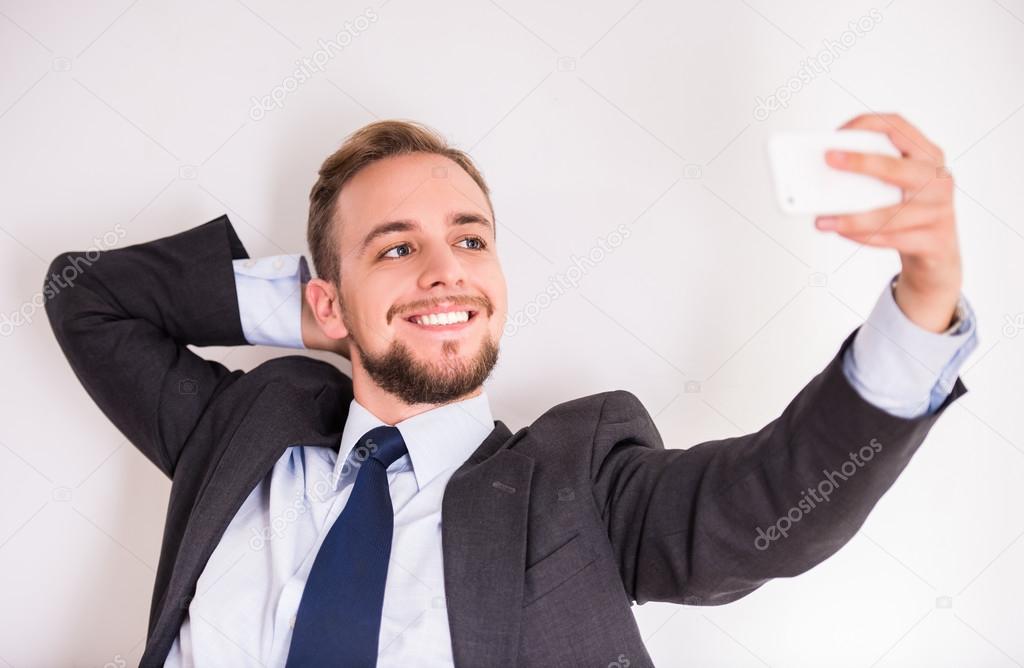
(711, 523)
(124, 317)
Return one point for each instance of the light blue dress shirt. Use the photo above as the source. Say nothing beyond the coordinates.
(902, 367)
(247, 596)
(249, 592)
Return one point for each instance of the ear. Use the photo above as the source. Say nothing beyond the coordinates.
(325, 304)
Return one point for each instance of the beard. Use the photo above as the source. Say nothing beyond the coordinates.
(398, 372)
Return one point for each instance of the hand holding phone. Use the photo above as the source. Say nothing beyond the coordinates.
(806, 184)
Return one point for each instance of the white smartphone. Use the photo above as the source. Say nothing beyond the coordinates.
(805, 183)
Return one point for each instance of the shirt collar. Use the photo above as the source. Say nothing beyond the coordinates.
(438, 439)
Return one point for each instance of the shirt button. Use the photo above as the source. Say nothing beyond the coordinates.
(291, 622)
(248, 263)
(278, 263)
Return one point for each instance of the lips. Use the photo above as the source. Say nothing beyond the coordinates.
(445, 327)
(446, 309)
(471, 312)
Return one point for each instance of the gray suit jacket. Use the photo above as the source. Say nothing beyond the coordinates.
(549, 534)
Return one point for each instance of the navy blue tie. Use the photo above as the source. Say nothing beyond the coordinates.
(338, 622)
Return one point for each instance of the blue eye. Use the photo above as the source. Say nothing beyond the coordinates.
(393, 248)
(481, 246)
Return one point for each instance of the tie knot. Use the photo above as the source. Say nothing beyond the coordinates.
(385, 443)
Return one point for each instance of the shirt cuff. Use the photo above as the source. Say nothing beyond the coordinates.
(902, 368)
(270, 299)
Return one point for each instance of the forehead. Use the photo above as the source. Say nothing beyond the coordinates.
(418, 186)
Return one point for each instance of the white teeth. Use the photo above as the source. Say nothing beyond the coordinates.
(442, 318)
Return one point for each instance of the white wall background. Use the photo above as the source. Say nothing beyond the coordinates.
(135, 118)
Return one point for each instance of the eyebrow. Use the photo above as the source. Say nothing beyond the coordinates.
(407, 225)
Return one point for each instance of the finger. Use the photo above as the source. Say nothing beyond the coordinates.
(907, 138)
(913, 241)
(891, 218)
(906, 173)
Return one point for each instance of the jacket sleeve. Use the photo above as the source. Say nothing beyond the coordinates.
(124, 318)
(709, 524)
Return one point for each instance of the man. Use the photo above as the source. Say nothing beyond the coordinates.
(318, 520)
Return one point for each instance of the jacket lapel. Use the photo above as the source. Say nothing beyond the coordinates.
(483, 536)
(278, 418)
(483, 527)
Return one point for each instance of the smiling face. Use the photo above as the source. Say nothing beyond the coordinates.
(416, 237)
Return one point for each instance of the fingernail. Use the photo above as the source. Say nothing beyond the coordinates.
(825, 222)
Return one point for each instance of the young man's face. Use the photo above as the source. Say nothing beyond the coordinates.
(443, 260)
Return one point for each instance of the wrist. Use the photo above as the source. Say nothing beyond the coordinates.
(934, 310)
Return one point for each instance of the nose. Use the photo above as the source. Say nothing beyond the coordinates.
(442, 267)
